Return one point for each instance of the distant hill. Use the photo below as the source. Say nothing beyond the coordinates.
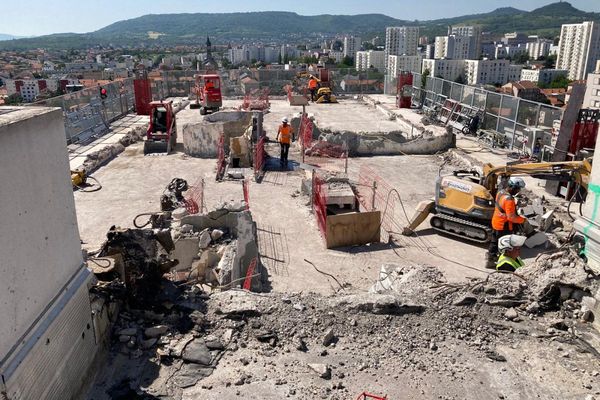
(184, 29)
(6, 36)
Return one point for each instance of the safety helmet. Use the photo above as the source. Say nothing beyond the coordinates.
(509, 242)
(284, 120)
(516, 182)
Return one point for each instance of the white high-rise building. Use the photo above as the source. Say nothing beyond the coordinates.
(371, 58)
(474, 43)
(396, 64)
(579, 48)
(455, 47)
(401, 41)
(352, 44)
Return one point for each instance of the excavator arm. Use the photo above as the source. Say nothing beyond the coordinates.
(574, 171)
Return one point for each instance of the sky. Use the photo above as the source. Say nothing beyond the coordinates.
(40, 17)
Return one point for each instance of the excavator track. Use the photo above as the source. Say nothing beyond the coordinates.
(461, 228)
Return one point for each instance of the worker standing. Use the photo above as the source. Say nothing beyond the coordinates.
(510, 251)
(505, 217)
(284, 137)
(313, 85)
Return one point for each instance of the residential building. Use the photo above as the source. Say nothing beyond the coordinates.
(473, 50)
(486, 72)
(456, 47)
(538, 49)
(542, 76)
(509, 51)
(514, 72)
(445, 69)
(401, 41)
(82, 66)
(579, 48)
(429, 51)
(352, 44)
(592, 93)
(370, 59)
(525, 90)
(514, 39)
(396, 64)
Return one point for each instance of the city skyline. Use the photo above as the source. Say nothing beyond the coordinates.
(44, 18)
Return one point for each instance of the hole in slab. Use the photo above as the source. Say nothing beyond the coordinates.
(47, 341)
(83, 335)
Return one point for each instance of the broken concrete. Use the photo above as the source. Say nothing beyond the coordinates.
(201, 138)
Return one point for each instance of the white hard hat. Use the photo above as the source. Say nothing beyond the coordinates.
(516, 182)
(284, 120)
(509, 242)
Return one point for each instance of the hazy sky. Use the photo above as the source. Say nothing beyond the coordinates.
(39, 17)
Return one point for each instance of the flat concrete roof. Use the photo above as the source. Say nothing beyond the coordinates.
(13, 114)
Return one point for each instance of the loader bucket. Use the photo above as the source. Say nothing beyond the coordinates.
(156, 147)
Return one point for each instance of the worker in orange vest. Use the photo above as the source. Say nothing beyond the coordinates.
(505, 217)
(313, 85)
(284, 137)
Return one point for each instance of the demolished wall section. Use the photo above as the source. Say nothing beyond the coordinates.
(201, 139)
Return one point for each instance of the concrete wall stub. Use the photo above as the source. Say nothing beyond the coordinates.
(201, 139)
(244, 230)
(40, 248)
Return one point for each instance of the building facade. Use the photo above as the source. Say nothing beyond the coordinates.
(370, 59)
(396, 64)
(401, 40)
(579, 49)
(486, 72)
(445, 69)
(542, 76)
(538, 49)
(352, 44)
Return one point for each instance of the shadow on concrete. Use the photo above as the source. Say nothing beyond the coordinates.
(373, 247)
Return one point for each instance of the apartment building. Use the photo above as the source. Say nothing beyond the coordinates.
(370, 59)
(401, 40)
(352, 44)
(445, 69)
(579, 49)
(396, 64)
(542, 76)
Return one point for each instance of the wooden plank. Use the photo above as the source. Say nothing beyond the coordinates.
(353, 229)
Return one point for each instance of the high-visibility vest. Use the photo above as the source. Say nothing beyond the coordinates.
(505, 211)
(312, 84)
(516, 264)
(285, 134)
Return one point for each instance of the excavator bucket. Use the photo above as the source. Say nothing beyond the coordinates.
(156, 147)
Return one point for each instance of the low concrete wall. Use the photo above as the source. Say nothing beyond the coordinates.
(393, 143)
(201, 139)
(243, 228)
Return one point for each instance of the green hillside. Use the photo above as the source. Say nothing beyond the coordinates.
(170, 29)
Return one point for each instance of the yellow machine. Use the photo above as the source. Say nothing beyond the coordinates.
(464, 201)
(78, 178)
(325, 95)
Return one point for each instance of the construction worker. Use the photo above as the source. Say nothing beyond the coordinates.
(505, 218)
(313, 86)
(284, 137)
(510, 251)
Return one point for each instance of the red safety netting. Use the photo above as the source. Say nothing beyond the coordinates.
(319, 203)
(249, 275)
(221, 157)
(194, 202)
(374, 193)
(246, 190)
(259, 157)
(306, 132)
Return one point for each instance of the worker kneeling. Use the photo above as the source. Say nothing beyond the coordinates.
(510, 251)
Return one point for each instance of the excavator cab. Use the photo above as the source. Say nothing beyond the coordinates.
(161, 135)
